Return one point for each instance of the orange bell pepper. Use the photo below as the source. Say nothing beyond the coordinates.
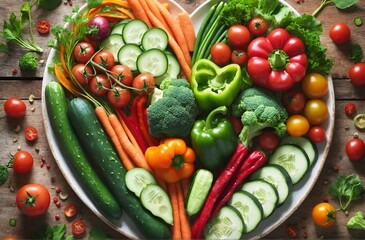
(172, 160)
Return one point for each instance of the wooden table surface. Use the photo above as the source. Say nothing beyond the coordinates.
(22, 85)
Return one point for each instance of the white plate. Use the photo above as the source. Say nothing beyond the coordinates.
(126, 226)
(302, 189)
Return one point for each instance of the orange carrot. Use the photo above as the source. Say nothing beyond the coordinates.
(138, 11)
(185, 183)
(188, 29)
(136, 155)
(184, 221)
(176, 231)
(156, 11)
(64, 81)
(176, 29)
(62, 59)
(104, 119)
(173, 44)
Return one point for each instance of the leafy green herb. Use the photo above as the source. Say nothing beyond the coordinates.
(4, 173)
(13, 30)
(356, 222)
(56, 232)
(340, 4)
(237, 12)
(347, 189)
(93, 3)
(357, 53)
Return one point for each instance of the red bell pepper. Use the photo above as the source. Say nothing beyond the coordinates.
(277, 61)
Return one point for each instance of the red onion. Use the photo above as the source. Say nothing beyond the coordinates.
(103, 25)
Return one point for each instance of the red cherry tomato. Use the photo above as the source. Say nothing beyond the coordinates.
(144, 83)
(357, 74)
(31, 134)
(340, 33)
(15, 108)
(239, 57)
(105, 59)
(78, 228)
(268, 140)
(82, 73)
(70, 210)
(23, 162)
(33, 199)
(119, 97)
(43, 26)
(355, 149)
(257, 26)
(221, 54)
(99, 85)
(239, 36)
(350, 109)
(317, 134)
(294, 101)
(83, 52)
(123, 74)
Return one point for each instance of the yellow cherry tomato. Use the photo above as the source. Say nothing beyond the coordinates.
(316, 111)
(314, 85)
(324, 214)
(297, 125)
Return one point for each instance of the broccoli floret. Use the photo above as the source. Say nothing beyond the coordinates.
(259, 109)
(356, 222)
(173, 114)
(28, 62)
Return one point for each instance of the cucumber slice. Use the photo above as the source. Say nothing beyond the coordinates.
(265, 192)
(308, 146)
(153, 61)
(198, 191)
(249, 207)
(138, 178)
(113, 43)
(128, 55)
(173, 68)
(118, 29)
(155, 38)
(133, 31)
(156, 200)
(293, 159)
(227, 224)
(278, 177)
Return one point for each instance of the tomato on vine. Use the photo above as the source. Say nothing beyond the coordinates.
(104, 59)
(33, 199)
(144, 83)
(119, 97)
(99, 85)
(82, 73)
(123, 74)
(324, 214)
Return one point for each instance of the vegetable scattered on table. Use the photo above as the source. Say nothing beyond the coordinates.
(28, 62)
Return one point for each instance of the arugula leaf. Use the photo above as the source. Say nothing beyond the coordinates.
(3, 173)
(340, 4)
(347, 189)
(58, 231)
(357, 53)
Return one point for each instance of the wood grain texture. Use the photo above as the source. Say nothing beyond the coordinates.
(15, 85)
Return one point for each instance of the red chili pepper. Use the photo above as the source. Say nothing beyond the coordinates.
(132, 123)
(141, 112)
(254, 161)
(220, 184)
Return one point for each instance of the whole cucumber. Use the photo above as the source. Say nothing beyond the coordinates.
(56, 104)
(96, 143)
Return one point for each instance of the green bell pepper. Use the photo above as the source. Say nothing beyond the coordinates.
(214, 86)
(214, 139)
